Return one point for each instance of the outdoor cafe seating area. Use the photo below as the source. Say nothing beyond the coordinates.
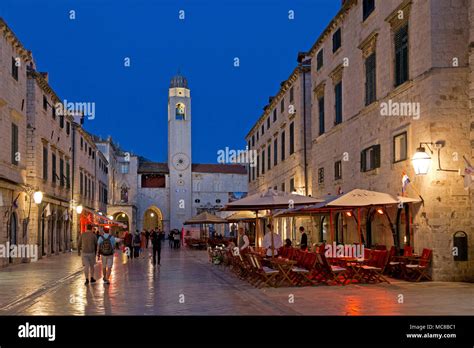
(294, 267)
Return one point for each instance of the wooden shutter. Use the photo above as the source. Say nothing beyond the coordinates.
(14, 144)
(370, 79)
(338, 106)
(362, 161)
(45, 163)
(401, 55)
(321, 116)
(376, 154)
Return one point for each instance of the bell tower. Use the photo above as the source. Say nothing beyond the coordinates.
(179, 151)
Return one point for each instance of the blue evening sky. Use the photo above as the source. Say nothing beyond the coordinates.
(85, 61)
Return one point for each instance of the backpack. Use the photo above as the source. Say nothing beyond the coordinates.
(106, 247)
(137, 240)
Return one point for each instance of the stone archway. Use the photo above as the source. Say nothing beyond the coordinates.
(123, 218)
(153, 218)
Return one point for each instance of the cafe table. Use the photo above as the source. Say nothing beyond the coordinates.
(284, 267)
(353, 265)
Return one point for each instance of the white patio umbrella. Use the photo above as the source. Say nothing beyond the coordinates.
(205, 218)
(269, 200)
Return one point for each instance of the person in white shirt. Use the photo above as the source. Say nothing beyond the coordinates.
(243, 241)
(267, 241)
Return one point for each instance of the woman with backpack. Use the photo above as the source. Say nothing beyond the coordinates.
(106, 245)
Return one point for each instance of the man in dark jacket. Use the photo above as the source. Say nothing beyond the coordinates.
(304, 239)
(156, 243)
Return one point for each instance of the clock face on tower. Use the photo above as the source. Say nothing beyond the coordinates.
(180, 161)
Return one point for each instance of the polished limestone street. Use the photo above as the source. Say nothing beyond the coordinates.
(186, 283)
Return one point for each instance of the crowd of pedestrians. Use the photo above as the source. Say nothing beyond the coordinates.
(98, 244)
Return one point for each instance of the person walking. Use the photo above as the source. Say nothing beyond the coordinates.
(156, 244)
(147, 236)
(304, 239)
(106, 250)
(142, 243)
(127, 242)
(88, 244)
(136, 244)
(177, 240)
(171, 238)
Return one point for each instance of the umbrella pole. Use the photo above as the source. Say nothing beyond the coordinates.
(273, 243)
(256, 229)
(358, 225)
(330, 225)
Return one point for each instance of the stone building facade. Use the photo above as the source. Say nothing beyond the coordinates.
(389, 77)
(13, 206)
(281, 137)
(49, 165)
(123, 182)
(42, 151)
(90, 178)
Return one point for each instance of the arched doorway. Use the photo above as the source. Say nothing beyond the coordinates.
(123, 218)
(12, 232)
(153, 218)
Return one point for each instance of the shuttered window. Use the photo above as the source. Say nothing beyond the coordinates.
(321, 115)
(370, 158)
(275, 152)
(45, 163)
(338, 100)
(81, 183)
(401, 55)
(258, 166)
(263, 162)
(370, 79)
(14, 69)
(53, 168)
(338, 170)
(320, 59)
(14, 145)
(336, 40)
(292, 138)
(61, 172)
(283, 152)
(368, 7)
(68, 175)
(269, 160)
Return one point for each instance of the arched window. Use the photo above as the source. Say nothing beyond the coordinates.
(180, 112)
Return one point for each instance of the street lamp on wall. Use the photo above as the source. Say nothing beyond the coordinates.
(79, 209)
(421, 161)
(38, 197)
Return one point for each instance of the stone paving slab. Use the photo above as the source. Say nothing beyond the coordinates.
(187, 284)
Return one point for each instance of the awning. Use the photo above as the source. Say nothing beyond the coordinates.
(205, 218)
